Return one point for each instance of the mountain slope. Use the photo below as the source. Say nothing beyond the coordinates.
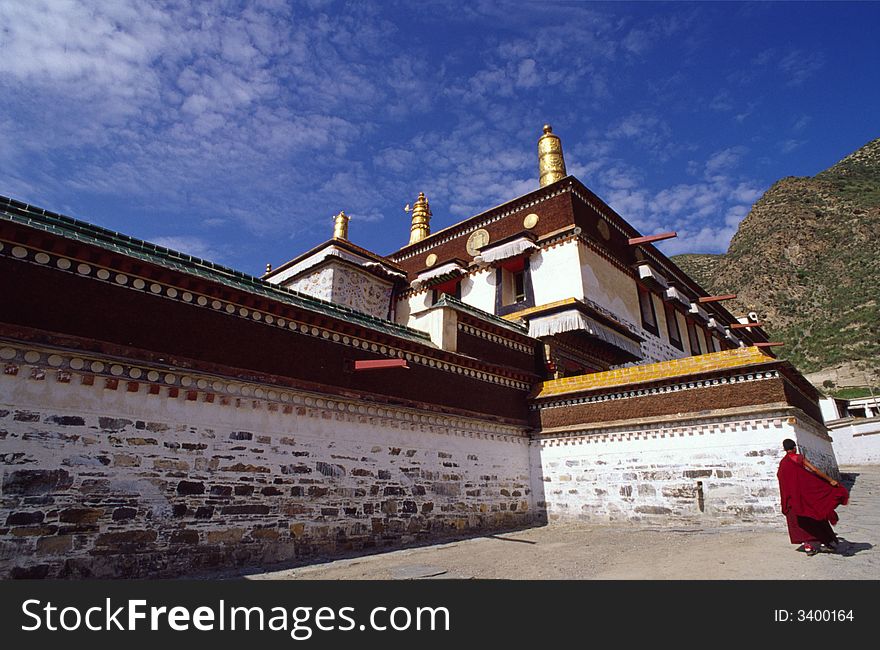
(807, 259)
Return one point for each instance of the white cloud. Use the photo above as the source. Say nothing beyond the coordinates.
(799, 66)
(801, 122)
(724, 160)
(787, 146)
(705, 214)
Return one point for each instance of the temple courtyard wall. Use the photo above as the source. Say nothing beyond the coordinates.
(111, 469)
(719, 468)
(857, 440)
(105, 476)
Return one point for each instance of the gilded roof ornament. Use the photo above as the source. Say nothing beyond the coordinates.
(340, 225)
(421, 219)
(551, 164)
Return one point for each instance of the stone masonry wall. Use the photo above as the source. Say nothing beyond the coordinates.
(710, 471)
(108, 477)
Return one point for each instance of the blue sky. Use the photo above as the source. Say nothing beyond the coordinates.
(234, 130)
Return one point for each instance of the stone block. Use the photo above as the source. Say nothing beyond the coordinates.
(80, 515)
(190, 487)
(247, 468)
(24, 518)
(185, 536)
(170, 464)
(296, 469)
(646, 490)
(126, 460)
(330, 469)
(266, 534)
(250, 509)
(126, 541)
(113, 424)
(226, 536)
(66, 420)
(124, 514)
(204, 512)
(33, 531)
(653, 510)
(36, 481)
(446, 489)
(55, 545)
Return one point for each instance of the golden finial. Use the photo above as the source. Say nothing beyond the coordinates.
(340, 225)
(268, 267)
(421, 218)
(551, 164)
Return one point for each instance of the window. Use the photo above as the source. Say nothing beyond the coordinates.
(451, 288)
(646, 305)
(692, 336)
(672, 326)
(707, 338)
(513, 287)
(519, 286)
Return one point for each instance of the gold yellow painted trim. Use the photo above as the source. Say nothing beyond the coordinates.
(517, 315)
(726, 359)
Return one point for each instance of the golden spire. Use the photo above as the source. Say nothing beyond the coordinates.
(421, 218)
(340, 226)
(268, 267)
(551, 164)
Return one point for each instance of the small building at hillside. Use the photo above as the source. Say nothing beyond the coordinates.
(540, 361)
(854, 425)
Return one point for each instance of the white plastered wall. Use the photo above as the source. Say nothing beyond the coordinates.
(719, 470)
(478, 290)
(556, 273)
(608, 286)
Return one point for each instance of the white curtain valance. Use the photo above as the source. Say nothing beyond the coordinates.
(505, 251)
(573, 320)
(384, 269)
(443, 269)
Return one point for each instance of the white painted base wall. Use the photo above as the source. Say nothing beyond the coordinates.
(717, 470)
(857, 441)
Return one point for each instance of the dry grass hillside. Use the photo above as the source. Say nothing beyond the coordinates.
(807, 259)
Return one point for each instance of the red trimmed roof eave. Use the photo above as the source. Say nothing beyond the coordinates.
(482, 215)
(342, 243)
(122, 353)
(679, 276)
(237, 295)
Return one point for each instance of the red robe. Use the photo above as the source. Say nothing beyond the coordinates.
(808, 501)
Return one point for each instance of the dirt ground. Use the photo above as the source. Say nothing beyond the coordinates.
(585, 552)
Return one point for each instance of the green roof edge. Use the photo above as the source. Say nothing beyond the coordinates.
(82, 231)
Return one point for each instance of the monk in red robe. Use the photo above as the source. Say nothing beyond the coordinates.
(809, 498)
